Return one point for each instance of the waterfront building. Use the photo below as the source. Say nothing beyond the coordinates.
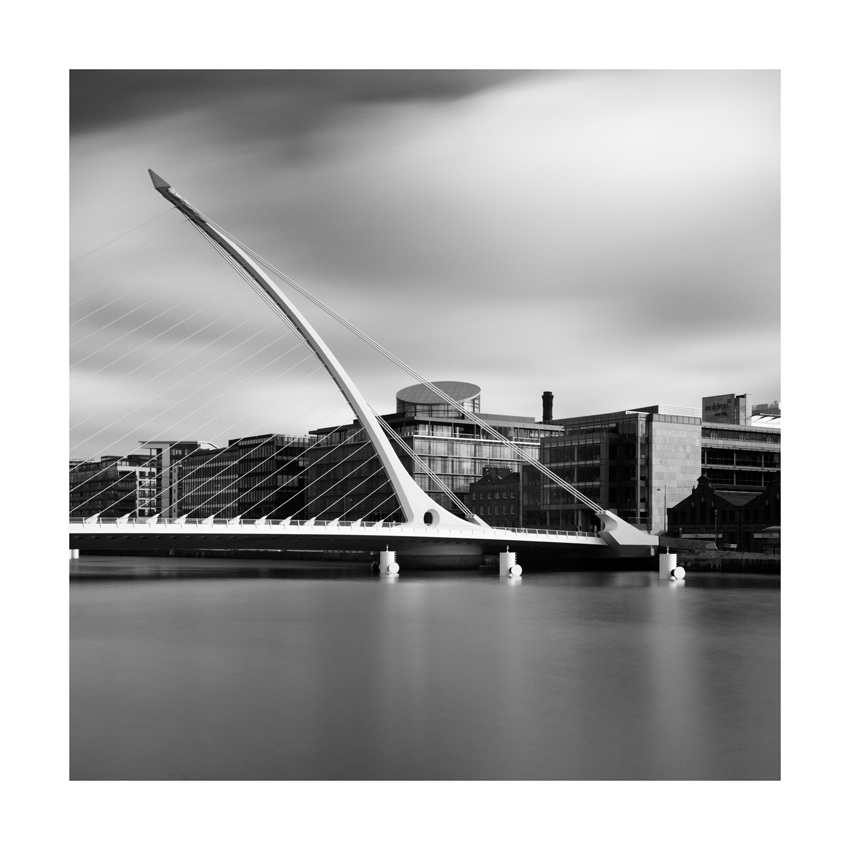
(733, 518)
(628, 461)
(113, 487)
(252, 477)
(741, 456)
(497, 496)
(166, 458)
(638, 462)
(346, 481)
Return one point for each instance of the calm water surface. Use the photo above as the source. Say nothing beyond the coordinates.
(187, 669)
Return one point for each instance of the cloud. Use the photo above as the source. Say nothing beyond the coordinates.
(612, 237)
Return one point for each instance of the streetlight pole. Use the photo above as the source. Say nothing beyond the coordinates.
(715, 528)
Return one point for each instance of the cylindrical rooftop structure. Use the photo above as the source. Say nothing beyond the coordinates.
(419, 400)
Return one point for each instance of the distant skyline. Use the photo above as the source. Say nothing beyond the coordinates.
(610, 236)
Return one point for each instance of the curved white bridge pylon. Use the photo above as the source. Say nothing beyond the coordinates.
(416, 505)
(427, 528)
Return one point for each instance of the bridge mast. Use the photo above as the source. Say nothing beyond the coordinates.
(416, 505)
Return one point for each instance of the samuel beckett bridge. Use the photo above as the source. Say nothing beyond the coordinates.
(372, 502)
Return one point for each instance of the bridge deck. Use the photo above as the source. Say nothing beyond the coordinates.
(306, 534)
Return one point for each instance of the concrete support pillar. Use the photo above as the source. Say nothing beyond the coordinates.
(667, 567)
(508, 565)
(387, 562)
(75, 553)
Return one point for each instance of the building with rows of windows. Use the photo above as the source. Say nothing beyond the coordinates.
(113, 487)
(346, 480)
(738, 518)
(497, 496)
(252, 477)
(640, 463)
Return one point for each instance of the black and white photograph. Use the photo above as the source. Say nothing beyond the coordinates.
(425, 429)
(425, 425)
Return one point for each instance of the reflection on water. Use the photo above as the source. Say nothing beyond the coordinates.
(279, 672)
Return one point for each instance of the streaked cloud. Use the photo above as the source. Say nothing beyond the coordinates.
(612, 237)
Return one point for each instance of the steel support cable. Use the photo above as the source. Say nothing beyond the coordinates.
(440, 484)
(267, 440)
(109, 365)
(171, 467)
(137, 327)
(197, 389)
(220, 414)
(444, 396)
(109, 282)
(326, 491)
(128, 313)
(173, 366)
(239, 497)
(132, 330)
(448, 399)
(277, 315)
(275, 454)
(264, 297)
(318, 460)
(208, 480)
(123, 336)
(393, 511)
(180, 401)
(75, 280)
(125, 233)
(127, 434)
(255, 286)
(102, 307)
(381, 484)
(424, 466)
(270, 437)
(177, 463)
(182, 342)
(114, 282)
(361, 483)
(260, 291)
(244, 360)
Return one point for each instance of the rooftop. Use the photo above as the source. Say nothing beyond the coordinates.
(460, 391)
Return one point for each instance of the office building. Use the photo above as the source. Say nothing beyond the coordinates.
(166, 458)
(628, 461)
(252, 477)
(637, 463)
(112, 487)
(347, 481)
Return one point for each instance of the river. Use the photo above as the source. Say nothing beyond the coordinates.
(205, 669)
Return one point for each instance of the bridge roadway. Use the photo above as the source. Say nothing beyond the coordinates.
(420, 541)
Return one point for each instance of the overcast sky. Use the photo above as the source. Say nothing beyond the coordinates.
(612, 237)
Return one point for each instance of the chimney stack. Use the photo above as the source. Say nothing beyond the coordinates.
(547, 406)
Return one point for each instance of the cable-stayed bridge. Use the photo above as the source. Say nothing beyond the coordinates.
(397, 514)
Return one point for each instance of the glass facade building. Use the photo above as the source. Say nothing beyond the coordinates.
(346, 480)
(631, 462)
(113, 487)
(252, 477)
(639, 463)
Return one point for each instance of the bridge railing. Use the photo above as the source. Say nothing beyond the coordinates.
(401, 527)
